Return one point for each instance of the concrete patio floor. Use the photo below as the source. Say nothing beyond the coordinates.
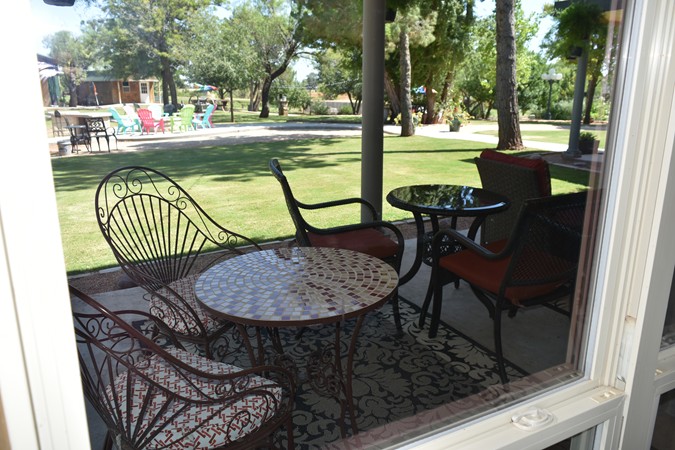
(535, 339)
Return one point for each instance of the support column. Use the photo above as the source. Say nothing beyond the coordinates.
(372, 145)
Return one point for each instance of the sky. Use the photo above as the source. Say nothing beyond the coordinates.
(49, 19)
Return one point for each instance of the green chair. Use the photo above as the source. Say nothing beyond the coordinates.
(184, 118)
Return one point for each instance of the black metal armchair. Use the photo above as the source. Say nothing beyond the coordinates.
(97, 129)
(163, 240)
(537, 265)
(153, 396)
(377, 238)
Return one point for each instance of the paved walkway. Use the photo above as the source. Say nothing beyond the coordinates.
(231, 134)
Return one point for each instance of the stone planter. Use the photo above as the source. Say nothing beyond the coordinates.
(589, 147)
(454, 125)
(65, 148)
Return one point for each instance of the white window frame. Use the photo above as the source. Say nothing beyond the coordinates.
(40, 390)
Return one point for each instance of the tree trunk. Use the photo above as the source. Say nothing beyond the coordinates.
(265, 111)
(231, 107)
(430, 104)
(167, 80)
(407, 126)
(506, 93)
(390, 89)
(590, 94)
(254, 96)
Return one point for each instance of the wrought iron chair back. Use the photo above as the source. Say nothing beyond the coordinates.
(163, 240)
(151, 393)
(97, 129)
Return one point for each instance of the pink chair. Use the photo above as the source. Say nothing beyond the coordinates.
(148, 122)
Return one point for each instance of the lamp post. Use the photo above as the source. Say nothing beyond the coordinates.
(551, 77)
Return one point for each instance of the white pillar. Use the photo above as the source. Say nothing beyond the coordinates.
(373, 98)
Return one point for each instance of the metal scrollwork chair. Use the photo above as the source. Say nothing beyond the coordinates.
(377, 238)
(161, 396)
(537, 265)
(97, 129)
(163, 240)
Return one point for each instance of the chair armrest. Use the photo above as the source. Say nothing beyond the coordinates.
(465, 242)
(341, 202)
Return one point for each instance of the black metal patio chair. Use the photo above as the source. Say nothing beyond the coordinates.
(376, 238)
(537, 265)
(97, 129)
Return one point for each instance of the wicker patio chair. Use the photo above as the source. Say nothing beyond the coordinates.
(517, 179)
(537, 265)
(161, 396)
(163, 240)
(377, 238)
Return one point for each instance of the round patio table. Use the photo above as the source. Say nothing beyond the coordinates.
(296, 287)
(443, 200)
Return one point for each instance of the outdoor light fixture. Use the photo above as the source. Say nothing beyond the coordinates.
(551, 77)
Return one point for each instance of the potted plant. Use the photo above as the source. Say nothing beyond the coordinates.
(588, 143)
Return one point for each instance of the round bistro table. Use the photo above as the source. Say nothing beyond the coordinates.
(296, 287)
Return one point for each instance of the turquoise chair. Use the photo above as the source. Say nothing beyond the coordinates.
(205, 120)
(124, 123)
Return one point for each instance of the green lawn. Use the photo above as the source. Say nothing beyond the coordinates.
(553, 136)
(234, 185)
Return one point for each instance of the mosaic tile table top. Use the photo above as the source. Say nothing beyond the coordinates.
(296, 286)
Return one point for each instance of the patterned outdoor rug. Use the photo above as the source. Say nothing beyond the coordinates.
(395, 376)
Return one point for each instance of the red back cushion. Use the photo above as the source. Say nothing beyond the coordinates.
(539, 165)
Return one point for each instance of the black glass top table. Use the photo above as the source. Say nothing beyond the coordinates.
(443, 200)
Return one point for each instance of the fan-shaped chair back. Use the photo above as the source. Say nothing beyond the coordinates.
(153, 396)
(160, 237)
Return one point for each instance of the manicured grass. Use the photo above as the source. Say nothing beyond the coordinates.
(553, 136)
(234, 185)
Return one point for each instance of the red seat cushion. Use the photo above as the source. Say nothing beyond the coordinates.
(367, 240)
(539, 165)
(488, 274)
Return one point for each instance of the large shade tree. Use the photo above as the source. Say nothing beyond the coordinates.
(139, 37)
(72, 56)
(340, 73)
(435, 65)
(411, 28)
(581, 27)
(217, 54)
(272, 29)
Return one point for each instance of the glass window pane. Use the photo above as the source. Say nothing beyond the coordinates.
(664, 428)
(411, 382)
(668, 338)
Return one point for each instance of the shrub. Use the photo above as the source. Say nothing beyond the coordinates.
(587, 136)
(318, 108)
(345, 110)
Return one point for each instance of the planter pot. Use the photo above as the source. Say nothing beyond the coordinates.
(454, 125)
(65, 148)
(589, 147)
